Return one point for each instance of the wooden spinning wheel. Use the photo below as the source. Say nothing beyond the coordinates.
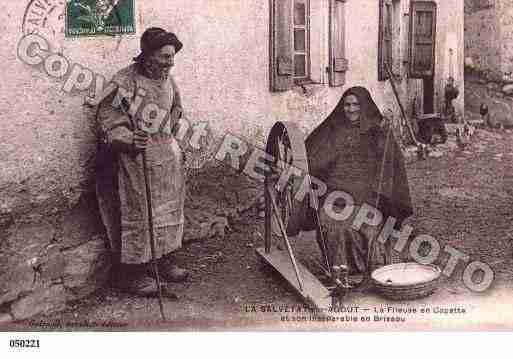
(286, 215)
(283, 212)
(285, 145)
(287, 210)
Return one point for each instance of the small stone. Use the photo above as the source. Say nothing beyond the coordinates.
(40, 199)
(204, 230)
(51, 264)
(492, 86)
(219, 226)
(87, 268)
(45, 300)
(31, 239)
(436, 154)
(508, 89)
(19, 279)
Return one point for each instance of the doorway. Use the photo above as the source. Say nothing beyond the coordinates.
(429, 95)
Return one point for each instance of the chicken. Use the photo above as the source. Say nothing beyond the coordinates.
(463, 135)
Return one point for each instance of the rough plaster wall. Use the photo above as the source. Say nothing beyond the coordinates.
(482, 38)
(222, 72)
(362, 53)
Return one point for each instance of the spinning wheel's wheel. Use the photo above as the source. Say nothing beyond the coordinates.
(286, 146)
(286, 215)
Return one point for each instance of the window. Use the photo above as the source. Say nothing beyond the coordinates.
(389, 34)
(422, 39)
(298, 39)
(301, 40)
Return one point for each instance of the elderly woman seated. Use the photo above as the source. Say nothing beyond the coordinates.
(354, 151)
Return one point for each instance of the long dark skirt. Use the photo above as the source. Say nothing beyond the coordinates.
(350, 247)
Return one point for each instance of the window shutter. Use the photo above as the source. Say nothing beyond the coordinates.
(282, 63)
(338, 62)
(385, 38)
(422, 39)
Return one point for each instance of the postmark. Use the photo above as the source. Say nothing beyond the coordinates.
(45, 18)
(99, 17)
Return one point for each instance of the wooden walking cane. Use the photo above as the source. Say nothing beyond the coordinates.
(152, 237)
(135, 124)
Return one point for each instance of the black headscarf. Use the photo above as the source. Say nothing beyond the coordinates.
(155, 38)
(370, 115)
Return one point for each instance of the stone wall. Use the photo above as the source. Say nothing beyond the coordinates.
(505, 16)
(482, 37)
(489, 37)
(489, 58)
(55, 252)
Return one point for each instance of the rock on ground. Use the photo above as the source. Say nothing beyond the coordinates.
(46, 300)
(87, 268)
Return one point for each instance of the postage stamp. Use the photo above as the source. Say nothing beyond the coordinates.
(99, 17)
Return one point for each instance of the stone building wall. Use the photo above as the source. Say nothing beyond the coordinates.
(489, 37)
(489, 58)
(482, 37)
(505, 16)
(51, 239)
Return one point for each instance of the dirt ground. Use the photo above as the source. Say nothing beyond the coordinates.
(462, 199)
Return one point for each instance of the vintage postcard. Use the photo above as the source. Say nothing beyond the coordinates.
(290, 165)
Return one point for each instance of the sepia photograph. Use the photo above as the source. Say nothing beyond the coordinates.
(256, 166)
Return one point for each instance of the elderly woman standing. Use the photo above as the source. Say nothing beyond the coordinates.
(353, 151)
(139, 115)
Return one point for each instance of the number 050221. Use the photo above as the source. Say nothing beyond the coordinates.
(24, 343)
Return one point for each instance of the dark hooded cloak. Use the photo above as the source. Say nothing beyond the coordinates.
(362, 159)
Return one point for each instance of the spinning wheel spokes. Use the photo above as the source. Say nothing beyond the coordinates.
(285, 216)
(280, 147)
(278, 195)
